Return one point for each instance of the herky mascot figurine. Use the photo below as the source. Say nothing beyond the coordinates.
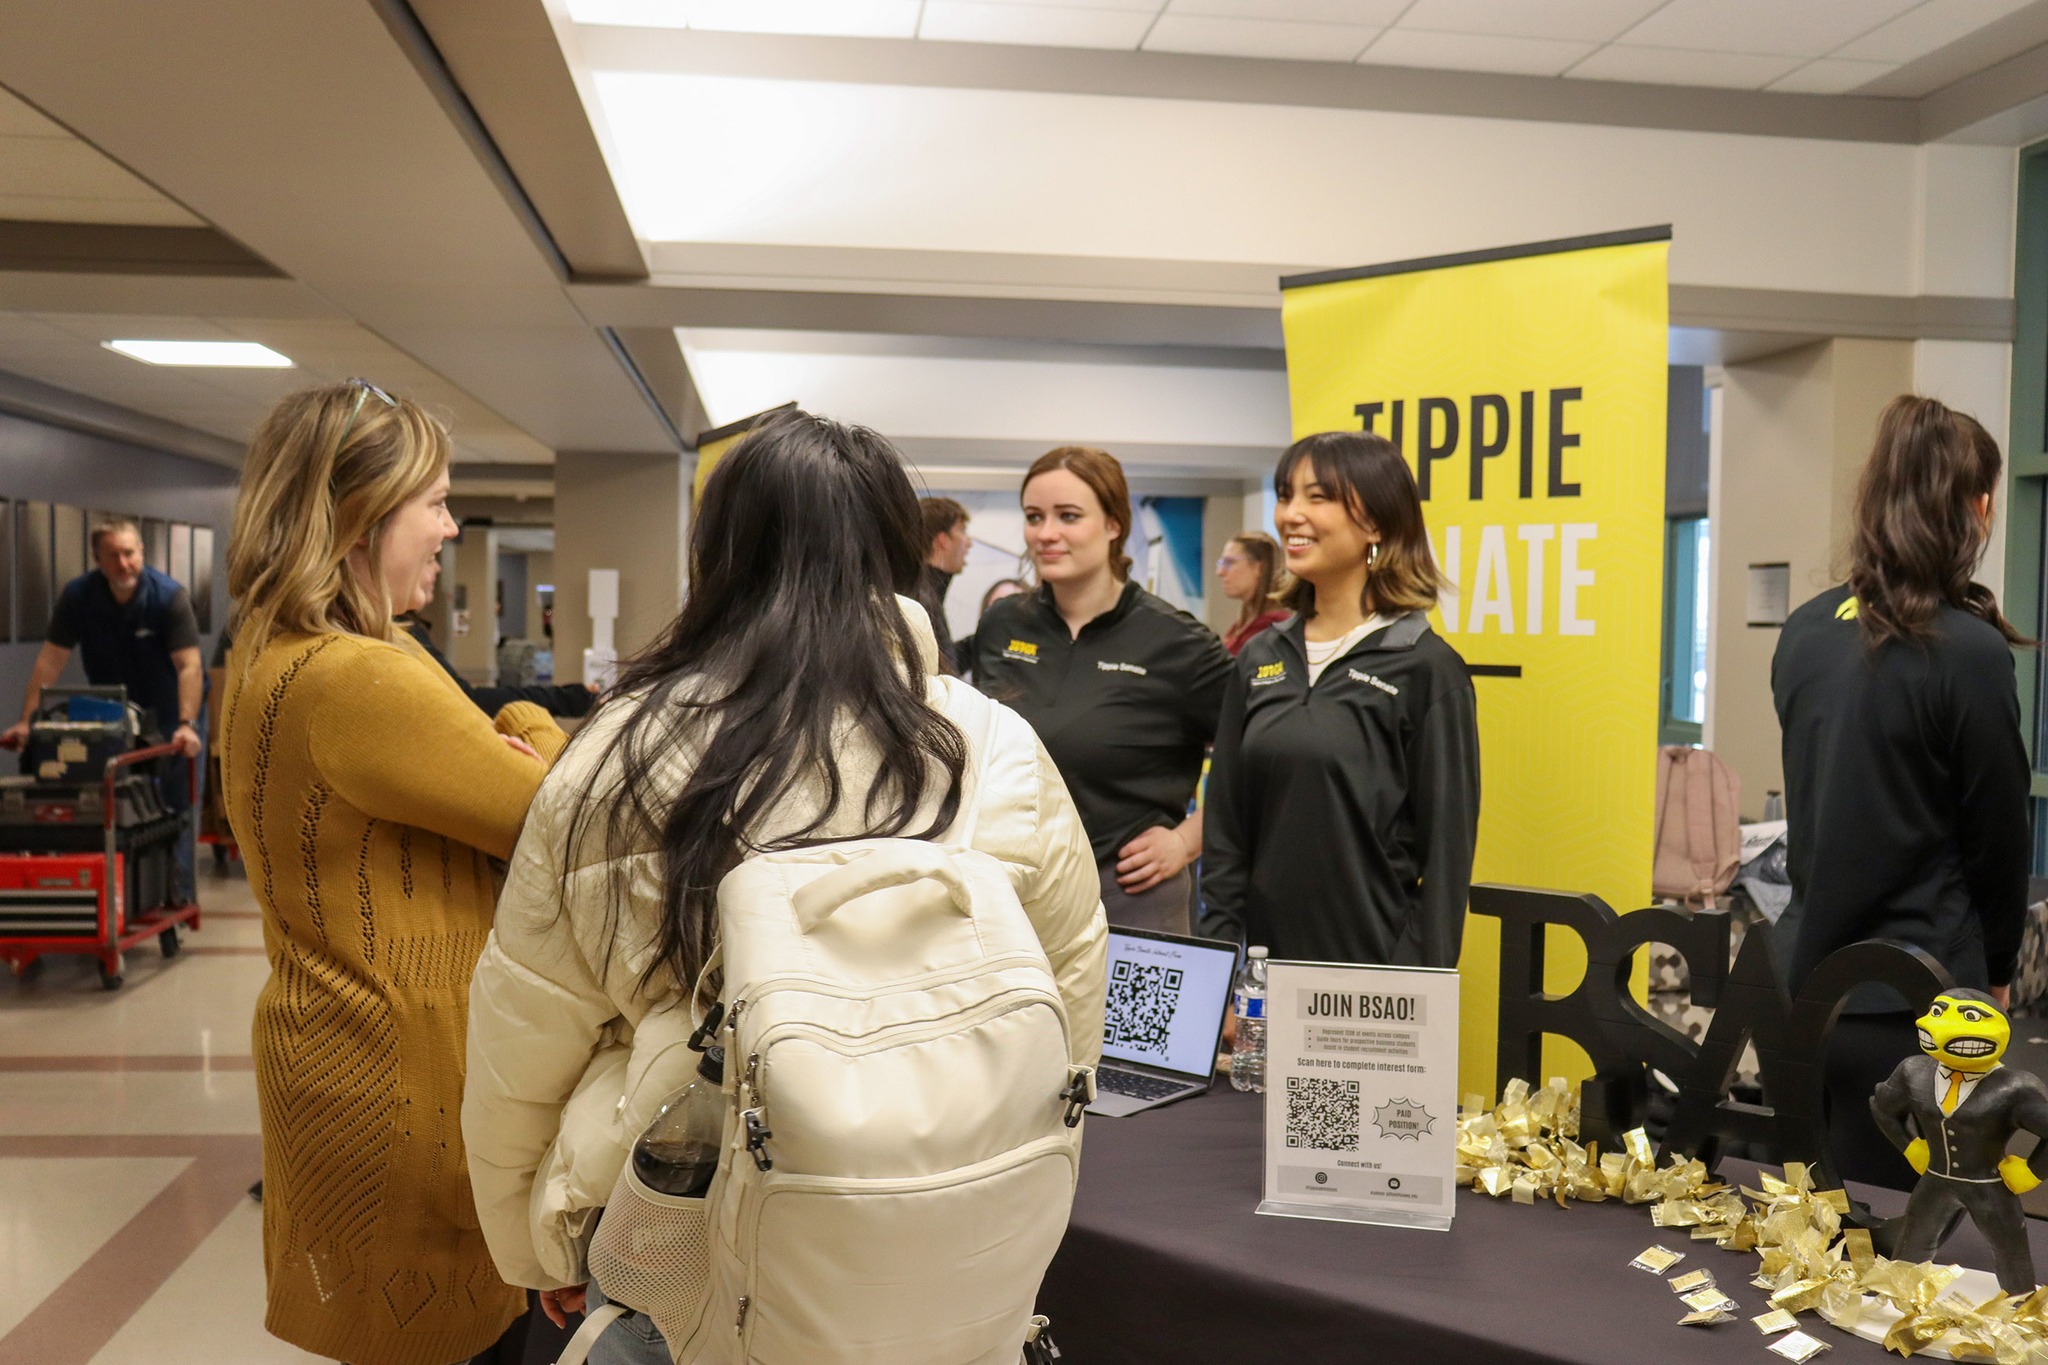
(1951, 1111)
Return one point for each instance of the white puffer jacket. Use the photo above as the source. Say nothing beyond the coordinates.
(569, 1059)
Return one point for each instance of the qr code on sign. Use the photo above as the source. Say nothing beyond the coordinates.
(1139, 1013)
(1322, 1113)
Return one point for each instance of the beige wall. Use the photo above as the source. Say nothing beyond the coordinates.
(624, 512)
(1796, 429)
(475, 655)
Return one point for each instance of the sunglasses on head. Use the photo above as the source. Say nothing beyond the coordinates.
(364, 389)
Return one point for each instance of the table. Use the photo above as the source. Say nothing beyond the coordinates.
(1165, 1260)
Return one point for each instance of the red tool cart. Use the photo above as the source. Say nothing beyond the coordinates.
(55, 897)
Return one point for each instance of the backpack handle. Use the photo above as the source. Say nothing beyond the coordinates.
(901, 865)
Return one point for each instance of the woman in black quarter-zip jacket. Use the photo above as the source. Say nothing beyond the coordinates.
(1344, 798)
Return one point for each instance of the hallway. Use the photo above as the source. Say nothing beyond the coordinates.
(128, 1141)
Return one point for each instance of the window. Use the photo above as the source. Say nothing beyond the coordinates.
(1682, 670)
(1684, 673)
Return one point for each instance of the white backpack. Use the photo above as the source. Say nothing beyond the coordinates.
(900, 1149)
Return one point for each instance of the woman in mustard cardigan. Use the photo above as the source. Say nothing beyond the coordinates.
(370, 798)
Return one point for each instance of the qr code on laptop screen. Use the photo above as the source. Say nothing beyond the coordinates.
(1322, 1113)
(1138, 1016)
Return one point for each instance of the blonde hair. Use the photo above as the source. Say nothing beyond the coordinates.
(325, 471)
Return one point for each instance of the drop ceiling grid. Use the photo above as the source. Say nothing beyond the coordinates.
(66, 350)
(1808, 46)
(47, 175)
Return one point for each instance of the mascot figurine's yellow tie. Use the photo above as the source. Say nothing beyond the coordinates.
(1952, 1110)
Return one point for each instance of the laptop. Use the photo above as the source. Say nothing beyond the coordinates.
(1162, 1020)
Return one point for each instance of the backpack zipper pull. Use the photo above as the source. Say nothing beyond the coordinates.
(758, 1133)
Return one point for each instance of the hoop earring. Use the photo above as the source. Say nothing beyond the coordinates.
(1372, 554)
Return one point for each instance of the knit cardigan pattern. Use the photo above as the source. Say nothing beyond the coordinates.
(370, 798)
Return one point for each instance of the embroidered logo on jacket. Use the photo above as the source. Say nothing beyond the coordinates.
(1849, 610)
(1021, 649)
(1107, 667)
(1269, 674)
(1371, 681)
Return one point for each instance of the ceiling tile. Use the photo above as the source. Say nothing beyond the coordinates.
(1670, 66)
(65, 167)
(1258, 38)
(1805, 28)
(1367, 13)
(18, 119)
(1832, 76)
(1927, 28)
(1049, 25)
(1595, 21)
(1475, 52)
(127, 212)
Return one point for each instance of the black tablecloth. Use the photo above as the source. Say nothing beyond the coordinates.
(1165, 1260)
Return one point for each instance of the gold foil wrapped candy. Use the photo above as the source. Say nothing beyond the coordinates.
(1527, 1147)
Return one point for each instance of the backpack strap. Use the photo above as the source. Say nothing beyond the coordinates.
(579, 1347)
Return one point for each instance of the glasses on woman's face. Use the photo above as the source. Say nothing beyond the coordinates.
(1227, 563)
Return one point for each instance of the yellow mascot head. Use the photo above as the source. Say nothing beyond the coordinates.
(1965, 1030)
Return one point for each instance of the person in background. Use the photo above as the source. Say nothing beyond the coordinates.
(1250, 574)
(370, 800)
(557, 699)
(998, 590)
(1906, 776)
(136, 629)
(946, 547)
(1343, 801)
(1122, 687)
(792, 701)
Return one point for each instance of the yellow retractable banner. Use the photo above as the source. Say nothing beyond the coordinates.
(1526, 387)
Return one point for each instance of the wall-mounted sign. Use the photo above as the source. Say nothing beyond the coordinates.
(1770, 594)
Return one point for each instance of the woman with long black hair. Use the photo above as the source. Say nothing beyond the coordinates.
(793, 702)
(1344, 798)
(1906, 777)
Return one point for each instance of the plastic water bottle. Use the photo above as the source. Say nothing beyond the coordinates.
(1248, 1052)
(677, 1154)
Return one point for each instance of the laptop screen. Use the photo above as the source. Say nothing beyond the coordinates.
(1166, 999)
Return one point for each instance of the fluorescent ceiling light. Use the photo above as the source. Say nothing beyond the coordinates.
(837, 18)
(241, 355)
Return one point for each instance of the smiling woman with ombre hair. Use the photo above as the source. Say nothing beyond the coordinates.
(369, 798)
(1344, 800)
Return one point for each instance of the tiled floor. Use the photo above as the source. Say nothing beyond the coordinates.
(127, 1142)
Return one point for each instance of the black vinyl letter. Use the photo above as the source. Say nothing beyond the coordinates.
(1368, 413)
(1561, 441)
(1528, 443)
(1483, 447)
(1429, 448)
(1400, 421)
